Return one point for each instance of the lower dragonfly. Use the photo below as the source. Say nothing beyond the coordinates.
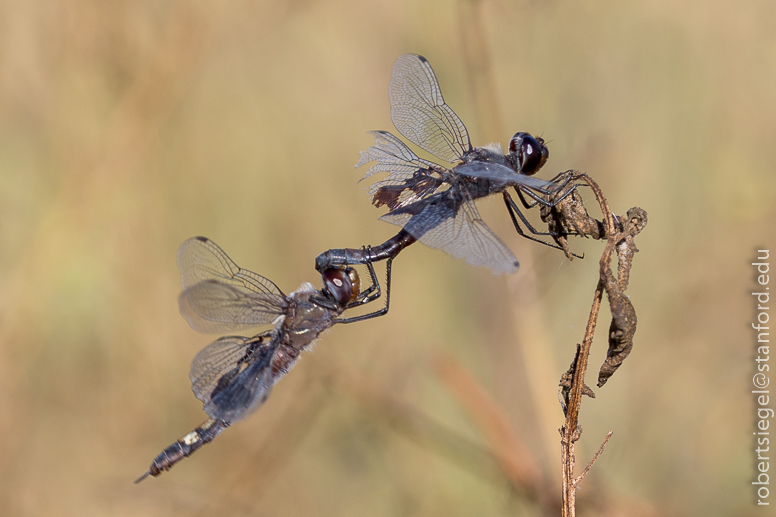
(233, 376)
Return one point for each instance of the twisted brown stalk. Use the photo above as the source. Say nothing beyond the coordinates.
(619, 233)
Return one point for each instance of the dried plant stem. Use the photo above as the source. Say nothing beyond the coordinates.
(571, 430)
(595, 457)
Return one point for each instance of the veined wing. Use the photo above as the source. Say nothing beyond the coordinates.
(213, 307)
(410, 178)
(233, 375)
(419, 112)
(452, 223)
(200, 259)
(498, 172)
(219, 296)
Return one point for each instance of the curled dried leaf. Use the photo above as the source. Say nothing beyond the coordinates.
(623, 325)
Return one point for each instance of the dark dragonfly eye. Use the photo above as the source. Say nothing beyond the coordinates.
(342, 285)
(528, 152)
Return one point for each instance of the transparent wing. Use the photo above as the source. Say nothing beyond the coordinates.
(233, 375)
(410, 178)
(498, 172)
(218, 296)
(452, 223)
(213, 307)
(220, 361)
(419, 112)
(200, 259)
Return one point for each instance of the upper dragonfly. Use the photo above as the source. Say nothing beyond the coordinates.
(433, 203)
(234, 375)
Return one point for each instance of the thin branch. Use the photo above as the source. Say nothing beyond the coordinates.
(592, 461)
(571, 430)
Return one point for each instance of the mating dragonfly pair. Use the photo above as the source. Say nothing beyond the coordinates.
(432, 203)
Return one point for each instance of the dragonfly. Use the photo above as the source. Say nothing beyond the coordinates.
(434, 203)
(233, 375)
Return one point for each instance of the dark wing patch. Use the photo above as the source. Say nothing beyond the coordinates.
(410, 178)
(402, 193)
(233, 375)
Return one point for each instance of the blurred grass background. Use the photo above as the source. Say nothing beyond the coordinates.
(127, 127)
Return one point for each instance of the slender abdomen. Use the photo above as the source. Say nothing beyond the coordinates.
(184, 447)
(351, 256)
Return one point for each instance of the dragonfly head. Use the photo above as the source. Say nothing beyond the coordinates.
(342, 285)
(527, 153)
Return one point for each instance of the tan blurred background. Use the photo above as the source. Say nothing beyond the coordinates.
(127, 127)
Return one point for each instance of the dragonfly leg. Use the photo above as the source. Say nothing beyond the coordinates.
(372, 297)
(368, 294)
(541, 201)
(514, 213)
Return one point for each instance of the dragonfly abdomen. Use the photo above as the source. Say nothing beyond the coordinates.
(185, 447)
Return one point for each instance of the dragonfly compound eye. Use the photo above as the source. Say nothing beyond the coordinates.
(355, 281)
(337, 283)
(530, 152)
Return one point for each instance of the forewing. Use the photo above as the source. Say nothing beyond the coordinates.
(218, 295)
(233, 375)
(213, 307)
(454, 225)
(200, 259)
(410, 178)
(419, 112)
(498, 172)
